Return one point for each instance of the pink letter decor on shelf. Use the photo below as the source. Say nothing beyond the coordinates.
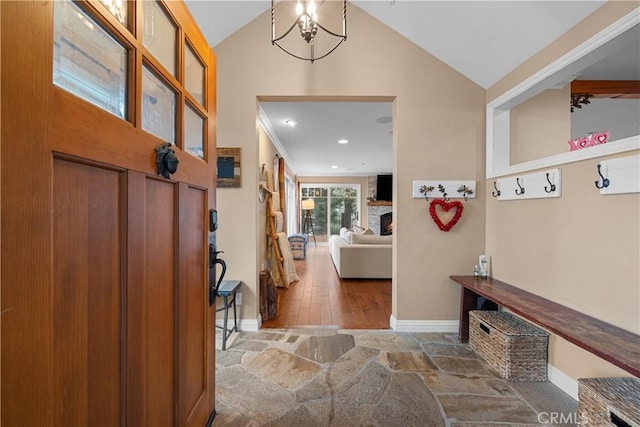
(590, 140)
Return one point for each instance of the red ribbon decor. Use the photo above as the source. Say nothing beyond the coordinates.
(446, 206)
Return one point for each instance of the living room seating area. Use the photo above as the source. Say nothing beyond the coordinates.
(360, 254)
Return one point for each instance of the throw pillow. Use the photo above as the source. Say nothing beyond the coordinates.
(357, 229)
(346, 235)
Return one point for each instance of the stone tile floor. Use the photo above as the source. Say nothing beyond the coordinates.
(321, 377)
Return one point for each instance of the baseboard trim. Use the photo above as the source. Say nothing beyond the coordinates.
(563, 381)
(429, 326)
(249, 325)
(556, 376)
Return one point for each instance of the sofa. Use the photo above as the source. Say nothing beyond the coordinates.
(361, 254)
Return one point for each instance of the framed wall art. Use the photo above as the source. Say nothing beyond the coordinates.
(228, 167)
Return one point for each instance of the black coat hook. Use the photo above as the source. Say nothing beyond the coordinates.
(552, 186)
(521, 191)
(443, 191)
(605, 181)
(497, 192)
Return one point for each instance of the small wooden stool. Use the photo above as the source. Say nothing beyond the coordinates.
(227, 289)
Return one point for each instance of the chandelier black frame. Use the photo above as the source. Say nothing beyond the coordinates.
(309, 26)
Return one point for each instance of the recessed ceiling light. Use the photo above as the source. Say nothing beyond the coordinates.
(289, 122)
(334, 166)
(343, 141)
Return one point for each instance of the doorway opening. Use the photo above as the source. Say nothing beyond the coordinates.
(334, 150)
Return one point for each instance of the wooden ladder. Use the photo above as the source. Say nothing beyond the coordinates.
(274, 240)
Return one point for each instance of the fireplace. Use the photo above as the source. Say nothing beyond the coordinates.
(386, 224)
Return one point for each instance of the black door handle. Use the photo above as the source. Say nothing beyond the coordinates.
(213, 283)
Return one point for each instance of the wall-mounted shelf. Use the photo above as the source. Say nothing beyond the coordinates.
(623, 175)
(379, 203)
(537, 185)
(450, 187)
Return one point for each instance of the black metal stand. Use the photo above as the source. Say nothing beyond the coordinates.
(308, 226)
(227, 290)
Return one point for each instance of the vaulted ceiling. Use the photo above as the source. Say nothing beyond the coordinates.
(460, 33)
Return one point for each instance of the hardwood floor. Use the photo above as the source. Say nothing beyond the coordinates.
(322, 299)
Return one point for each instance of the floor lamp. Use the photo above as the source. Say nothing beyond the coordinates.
(308, 205)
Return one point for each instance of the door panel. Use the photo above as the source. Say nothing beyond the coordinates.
(159, 302)
(194, 294)
(87, 283)
(152, 301)
(26, 372)
(103, 275)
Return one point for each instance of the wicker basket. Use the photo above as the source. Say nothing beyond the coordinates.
(609, 401)
(298, 244)
(513, 348)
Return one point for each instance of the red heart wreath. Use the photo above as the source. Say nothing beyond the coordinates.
(446, 206)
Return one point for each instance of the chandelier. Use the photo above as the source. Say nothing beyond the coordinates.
(579, 99)
(310, 30)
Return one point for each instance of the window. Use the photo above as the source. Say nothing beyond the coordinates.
(336, 206)
(193, 75)
(87, 61)
(159, 35)
(96, 59)
(158, 107)
(193, 132)
(292, 204)
(118, 8)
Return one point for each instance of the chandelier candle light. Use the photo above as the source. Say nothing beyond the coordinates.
(307, 23)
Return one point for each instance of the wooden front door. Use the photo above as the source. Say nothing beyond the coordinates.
(104, 263)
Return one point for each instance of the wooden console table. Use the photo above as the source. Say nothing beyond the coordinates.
(611, 343)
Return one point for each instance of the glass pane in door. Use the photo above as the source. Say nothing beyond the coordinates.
(159, 34)
(118, 8)
(193, 75)
(193, 132)
(344, 208)
(314, 222)
(158, 107)
(87, 61)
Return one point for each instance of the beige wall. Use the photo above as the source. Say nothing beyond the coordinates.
(580, 250)
(438, 134)
(549, 111)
